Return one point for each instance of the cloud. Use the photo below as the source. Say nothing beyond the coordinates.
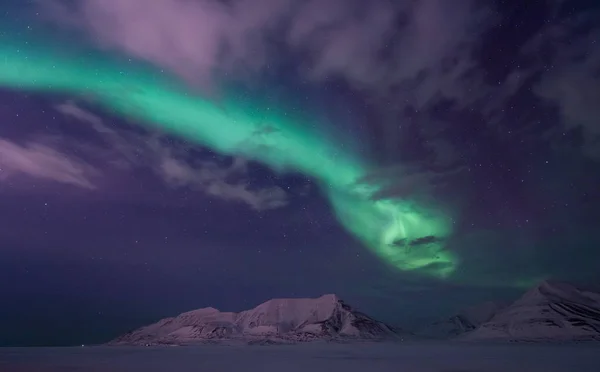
(71, 109)
(420, 62)
(555, 67)
(571, 78)
(41, 161)
(417, 50)
(133, 150)
(124, 149)
(403, 56)
(191, 38)
(214, 180)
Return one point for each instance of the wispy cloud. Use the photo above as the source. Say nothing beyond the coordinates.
(41, 161)
(215, 180)
(71, 109)
(124, 149)
(571, 79)
(135, 150)
(558, 68)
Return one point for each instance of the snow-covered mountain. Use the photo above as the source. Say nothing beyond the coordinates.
(550, 311)
(463, 322)
(277, 320)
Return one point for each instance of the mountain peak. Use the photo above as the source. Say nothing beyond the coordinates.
(201, 311)
(555, 285)
(552, 291)
(323, 299)
(331, 297)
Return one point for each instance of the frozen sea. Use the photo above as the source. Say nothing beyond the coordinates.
(405, 357)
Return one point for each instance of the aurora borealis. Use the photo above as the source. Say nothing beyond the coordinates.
(238, 128)
(413, 157)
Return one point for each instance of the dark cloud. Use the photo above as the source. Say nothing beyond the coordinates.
(424, 240)
(430, 239)
(570, 78)
(555, 68)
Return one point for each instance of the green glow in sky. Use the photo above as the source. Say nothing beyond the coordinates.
(403, 233)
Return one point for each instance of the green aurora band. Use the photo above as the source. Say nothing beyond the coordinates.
(406, 234)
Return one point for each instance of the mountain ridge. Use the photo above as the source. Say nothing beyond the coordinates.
(284, 320)
(550, 311)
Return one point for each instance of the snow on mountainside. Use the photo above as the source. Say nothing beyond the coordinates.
(463, 322)
(550, 311)
(277, 320)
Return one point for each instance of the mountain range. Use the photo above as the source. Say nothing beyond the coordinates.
(551, 311)
(275, 321)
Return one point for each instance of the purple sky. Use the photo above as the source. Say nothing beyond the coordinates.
(492, 107)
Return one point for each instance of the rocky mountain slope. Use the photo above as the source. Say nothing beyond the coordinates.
(550, 311)
(277, 320)
(463, 322)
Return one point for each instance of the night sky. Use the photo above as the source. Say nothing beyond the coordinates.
(413, 157)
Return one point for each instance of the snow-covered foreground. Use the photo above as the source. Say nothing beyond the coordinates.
(407, 357)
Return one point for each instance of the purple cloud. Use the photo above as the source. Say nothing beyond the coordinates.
(194, 39)
(360, 41)
(41, 161)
